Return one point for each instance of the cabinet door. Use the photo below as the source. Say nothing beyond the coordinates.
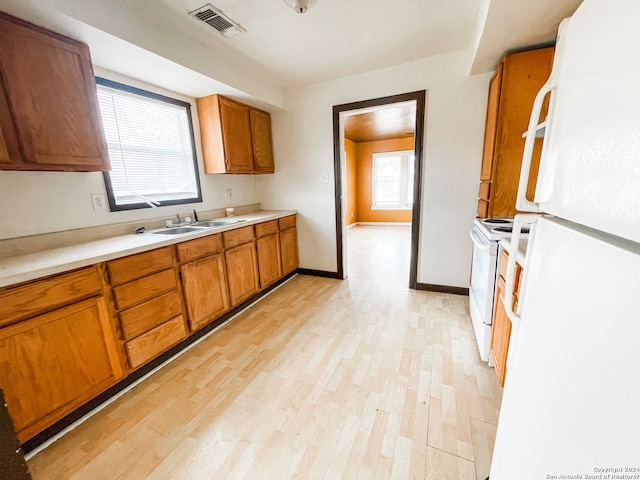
(491, 125)
(269, 259)
(242, 272)
(205, 290)
(54, 363)
(51, 91)
(236, 134)
(289, 250)
(9, 148)
(261, 141)
(500, 334)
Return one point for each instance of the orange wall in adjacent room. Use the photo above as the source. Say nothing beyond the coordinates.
(350, 149)
(364, 161)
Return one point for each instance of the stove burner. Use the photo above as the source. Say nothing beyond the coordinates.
(495, 221)
(510, 229)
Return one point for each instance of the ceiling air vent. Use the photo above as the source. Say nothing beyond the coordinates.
(217, 20)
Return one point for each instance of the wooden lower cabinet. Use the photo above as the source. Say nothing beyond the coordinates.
(500, 334)
(242, 272)
(205, 288)
(501, 324)
(52, 364)
(148, 300)
(289, 250)
(269, 263)
(268, 249)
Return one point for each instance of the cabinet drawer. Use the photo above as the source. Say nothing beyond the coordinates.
(483, 208)
(266, 228)
(26, 301)
(142, 318)
(143, 289)
(135, 266)
(484, 190)
(238, 236)
(287, 222)
(156, 341)
(199, 247)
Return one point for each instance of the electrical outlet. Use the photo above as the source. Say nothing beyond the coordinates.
(229, 194)
(99, 202)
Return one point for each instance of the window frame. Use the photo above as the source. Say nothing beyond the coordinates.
(113, 206)
(406, 191)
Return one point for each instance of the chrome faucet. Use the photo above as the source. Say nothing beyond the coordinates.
(178, 221)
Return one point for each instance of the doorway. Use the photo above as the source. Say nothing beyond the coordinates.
(340, 112)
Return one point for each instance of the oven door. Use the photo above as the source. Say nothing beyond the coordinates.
(483, 275)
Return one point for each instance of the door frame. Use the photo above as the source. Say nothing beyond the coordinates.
(420, 99)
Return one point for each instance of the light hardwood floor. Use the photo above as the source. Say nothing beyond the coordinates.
(323, 379)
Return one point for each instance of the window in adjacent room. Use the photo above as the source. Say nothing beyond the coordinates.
(392, 177)
(151, 148)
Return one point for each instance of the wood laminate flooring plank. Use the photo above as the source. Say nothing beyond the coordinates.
(322, 379)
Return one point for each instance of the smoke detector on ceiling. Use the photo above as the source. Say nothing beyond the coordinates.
(217, 20)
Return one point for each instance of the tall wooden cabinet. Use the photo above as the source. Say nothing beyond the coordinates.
(512, 90)
(49, 117)
(235, 138)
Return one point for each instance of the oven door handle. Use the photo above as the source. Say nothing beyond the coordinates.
(479, 242)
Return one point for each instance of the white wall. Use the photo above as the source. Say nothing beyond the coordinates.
(42, 202)
(303, 142)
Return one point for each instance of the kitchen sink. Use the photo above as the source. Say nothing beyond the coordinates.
(217, 223)
(177, 230)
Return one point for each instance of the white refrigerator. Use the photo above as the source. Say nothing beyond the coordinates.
(571, 402)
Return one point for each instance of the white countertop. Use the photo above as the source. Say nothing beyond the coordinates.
(21, 268)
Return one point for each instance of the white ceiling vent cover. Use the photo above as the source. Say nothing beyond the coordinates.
(217, 20)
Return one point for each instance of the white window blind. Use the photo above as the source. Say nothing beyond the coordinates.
(392, 180)
(150, 144)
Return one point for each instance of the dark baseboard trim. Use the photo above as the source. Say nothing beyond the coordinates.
(442, 289)
(92, 404)
(319, 273)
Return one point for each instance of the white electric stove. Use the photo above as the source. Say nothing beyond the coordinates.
(486, 233)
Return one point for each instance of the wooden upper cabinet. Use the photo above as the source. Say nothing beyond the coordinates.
(512, 91)
(49, 118)
(235, 138)
(261, 141)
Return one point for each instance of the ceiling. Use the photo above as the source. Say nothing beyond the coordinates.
(158, 42)
(337, 38)
(397, 120)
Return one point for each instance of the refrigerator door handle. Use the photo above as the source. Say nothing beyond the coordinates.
(518, 222)
(522, 203)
